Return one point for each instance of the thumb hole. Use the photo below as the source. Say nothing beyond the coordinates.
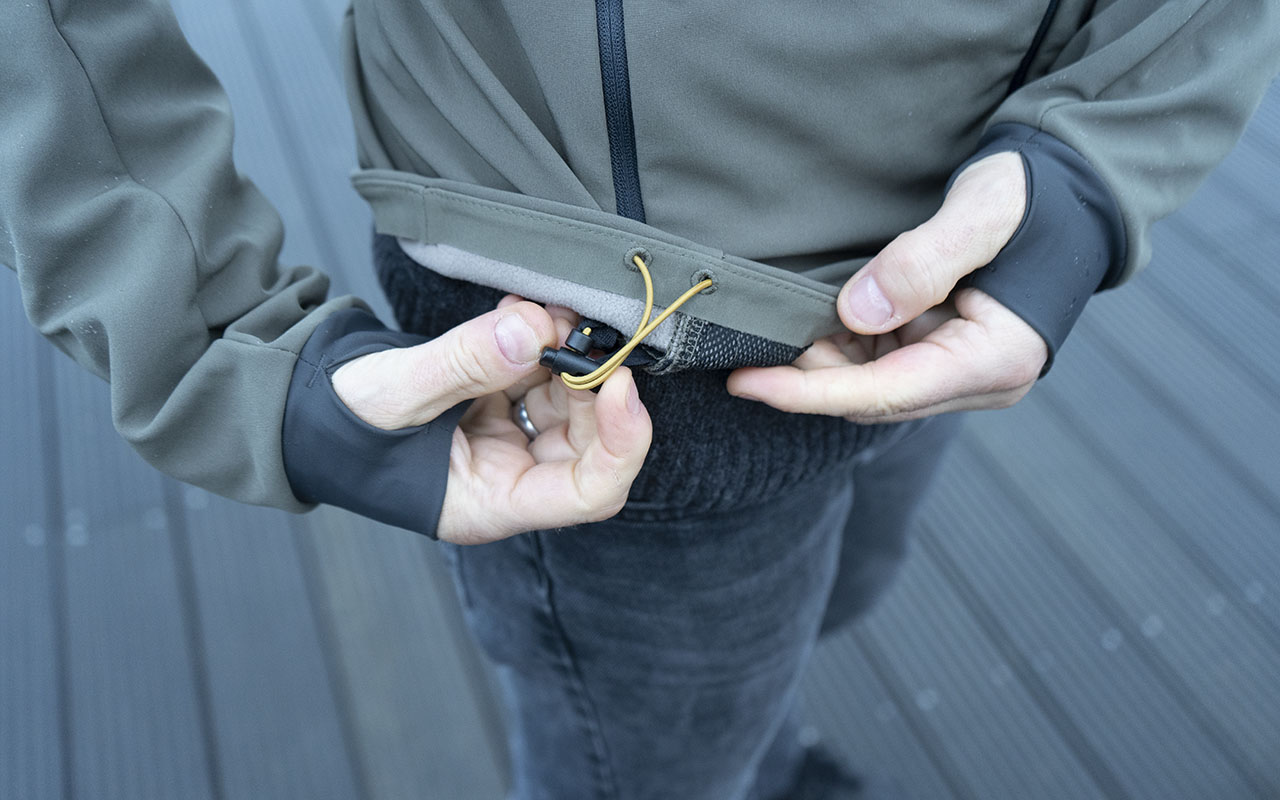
(920, 268)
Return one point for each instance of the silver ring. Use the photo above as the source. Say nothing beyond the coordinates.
(520, 416)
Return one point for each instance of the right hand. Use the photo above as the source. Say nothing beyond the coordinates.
(579, 469)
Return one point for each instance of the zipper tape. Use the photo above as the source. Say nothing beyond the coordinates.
(615, 87)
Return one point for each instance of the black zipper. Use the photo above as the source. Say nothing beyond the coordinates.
(617, 109)
(1020, 77)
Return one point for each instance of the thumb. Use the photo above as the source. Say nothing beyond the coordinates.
(918, 269)
(413, 385)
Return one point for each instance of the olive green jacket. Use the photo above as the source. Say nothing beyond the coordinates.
(797, 138)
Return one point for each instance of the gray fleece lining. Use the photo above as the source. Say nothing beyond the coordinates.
(588, 247)
(612, 309)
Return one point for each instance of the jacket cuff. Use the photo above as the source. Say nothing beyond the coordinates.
(1070, 243)
(332, 456)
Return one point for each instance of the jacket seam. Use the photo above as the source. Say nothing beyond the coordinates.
(1164, 42)
(124, 164)
(1094, 96)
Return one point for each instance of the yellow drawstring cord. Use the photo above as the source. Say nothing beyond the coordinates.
(598, 376)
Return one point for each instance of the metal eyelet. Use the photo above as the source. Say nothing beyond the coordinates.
(702, 275)
(629, 262)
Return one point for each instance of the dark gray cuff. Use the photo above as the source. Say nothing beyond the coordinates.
(332, 456)
(1071, 241)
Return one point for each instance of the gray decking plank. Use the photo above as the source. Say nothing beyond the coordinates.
(421, 726)
(21, 462)
(1073, 596)
(1240, 325)
(1179, 367)
(325, 17)
(1264, 128)
(995, 736)
(279, 731)
(1167, 467)
(861, 722)
(1225, 664)
(1252, 170)
(296, 76)
(259, 152)
(1089, 491)
(30, 748)
(136, 722)
(1250, 229)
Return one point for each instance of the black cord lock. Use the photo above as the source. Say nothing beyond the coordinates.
(574, 357)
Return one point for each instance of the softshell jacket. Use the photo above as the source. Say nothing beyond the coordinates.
(799, 136)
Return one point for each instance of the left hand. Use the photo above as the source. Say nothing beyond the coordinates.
(915, 349)
(580, 467)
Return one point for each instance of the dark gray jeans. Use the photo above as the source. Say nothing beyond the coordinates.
(657, 654)
(661, 659)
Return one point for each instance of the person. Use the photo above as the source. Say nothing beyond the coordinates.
(966, 179)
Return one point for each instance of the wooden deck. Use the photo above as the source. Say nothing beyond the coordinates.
(1091, 609)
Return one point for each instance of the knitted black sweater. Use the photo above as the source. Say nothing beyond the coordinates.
(710, 450)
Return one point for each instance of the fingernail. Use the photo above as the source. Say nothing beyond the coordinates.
(633, 399)
(867, 304)
(517, 340)
(750, 397)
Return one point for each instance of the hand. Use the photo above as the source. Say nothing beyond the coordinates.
(580, 467)
(915, 349)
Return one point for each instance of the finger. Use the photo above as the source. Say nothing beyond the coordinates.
(548, 404)
(593, 486)
(482, 407)
(882, 388)
(961, 359)
(522, 387)
(566, 320)
(565, 419)
(491, 416)
(919, 268)
(548, 408)
(831, 351)
(480, 357)
(979, 402)
(581, 405)
(482, 471)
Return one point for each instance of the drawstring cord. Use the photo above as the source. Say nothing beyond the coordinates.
(601, 373)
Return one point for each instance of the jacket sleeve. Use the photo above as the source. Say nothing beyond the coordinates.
(143, 254)
(1128, 118)
(1153, 94)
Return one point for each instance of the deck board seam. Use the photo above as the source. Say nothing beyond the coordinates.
(1075, 739)
(54, 509)
(934, 749)
(283, 123)
(1243, 276)
(327, 34)
(193, 625)
(473, 669)
(326, 632)
(1162, 295)
(1158, 393)
(1175, 531)
(1102, 597)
